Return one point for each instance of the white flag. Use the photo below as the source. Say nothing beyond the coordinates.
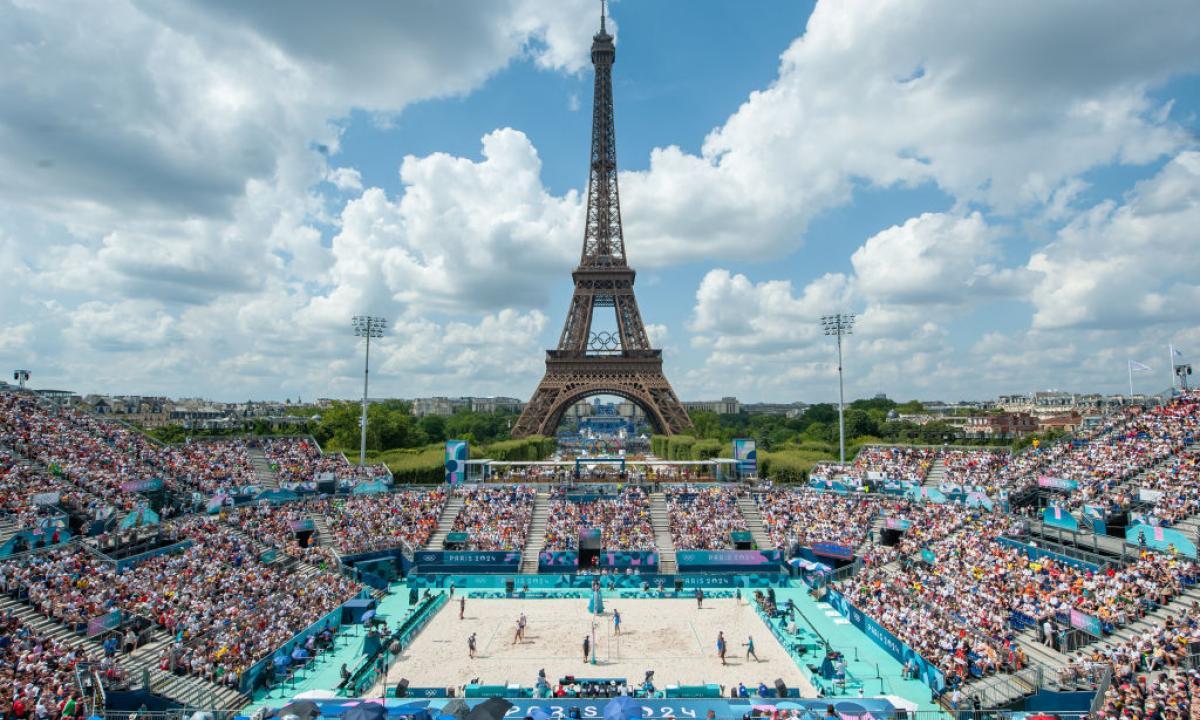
(1136, 366)
(1176, 352)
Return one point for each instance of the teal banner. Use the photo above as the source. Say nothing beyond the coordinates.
(275, 497)
(372, 487)
(729, 560)
(1059, 518)
(138, 518)
(1161, 539)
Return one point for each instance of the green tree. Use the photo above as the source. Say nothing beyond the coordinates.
(706, 424)
(434, 427)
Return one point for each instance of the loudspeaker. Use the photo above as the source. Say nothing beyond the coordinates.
(402, 688)
(780, 688)
(508, 586)
(678, 585)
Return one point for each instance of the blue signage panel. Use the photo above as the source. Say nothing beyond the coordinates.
(568, 560)
(1060, 518)
(929, 673)
(731, 560)
(467, 561)
(841, 552)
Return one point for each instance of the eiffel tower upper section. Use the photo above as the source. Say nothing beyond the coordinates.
(603, 278)
(585, 362)
(603, 240)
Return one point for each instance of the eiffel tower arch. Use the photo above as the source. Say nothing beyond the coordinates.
(587, 362)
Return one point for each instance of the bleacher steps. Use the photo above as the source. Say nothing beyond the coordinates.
(937, 473)
(1052, 660)
(192, 692)
(324, 535)
(1144, 625)
(46, 626)
(754, 523)
(997, 690)
(872, 537)
(445, 522)
(145, 658)
(266, 475)
(660, 520)
(8, 527)
(535, 540)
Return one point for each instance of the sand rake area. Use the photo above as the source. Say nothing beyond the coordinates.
(671, 637)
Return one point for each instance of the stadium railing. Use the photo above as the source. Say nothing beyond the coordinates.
(1101, 688)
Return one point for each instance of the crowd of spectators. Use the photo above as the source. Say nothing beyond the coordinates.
(803, 517)
(210, 466)
(909, 464)
(90, 460)
(299, 461)
(1103, 459)
(978, 589)
(495, 517)
(974, 469)
(37, 677)
(1177, 483)
(21, 482)
(623, 520)
(224, 604)
(274, 527)
(702, 518)
(1151, 673)
(372, 522)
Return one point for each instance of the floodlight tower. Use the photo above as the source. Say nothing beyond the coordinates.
(369, 327)
(840, 325)
(22, 377)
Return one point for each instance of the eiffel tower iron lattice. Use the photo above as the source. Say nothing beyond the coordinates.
(620, 363)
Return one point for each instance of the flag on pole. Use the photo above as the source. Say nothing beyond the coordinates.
(1136, 366)
(1175, 352)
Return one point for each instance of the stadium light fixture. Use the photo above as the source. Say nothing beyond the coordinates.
(368, 327)
(840, 325)
(22, 377)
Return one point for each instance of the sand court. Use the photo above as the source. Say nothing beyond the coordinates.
(670, 636)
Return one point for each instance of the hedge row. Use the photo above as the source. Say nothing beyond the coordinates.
(535, 447)
(426, 465)
(686, 447)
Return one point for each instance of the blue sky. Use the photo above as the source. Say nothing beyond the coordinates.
(1007, 197)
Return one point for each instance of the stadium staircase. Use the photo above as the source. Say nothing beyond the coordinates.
(536, 539)
(324, 535)
(872, 537)
(267, 477)
(8, 527)
(1054, 661)
(937, 473)
(660, 520)
(445, 523)
(140, 667)
(754, 523)
(1001, 689)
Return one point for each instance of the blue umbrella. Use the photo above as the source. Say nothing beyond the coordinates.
(365, 711)
(623, 708)
(410, 708)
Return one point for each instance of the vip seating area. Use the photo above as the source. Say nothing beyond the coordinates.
(704, 517)
(623, 519)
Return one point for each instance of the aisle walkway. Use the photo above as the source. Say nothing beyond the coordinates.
(874, 670)
(325, 672)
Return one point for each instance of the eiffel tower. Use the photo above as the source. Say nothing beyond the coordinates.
(620, 363)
